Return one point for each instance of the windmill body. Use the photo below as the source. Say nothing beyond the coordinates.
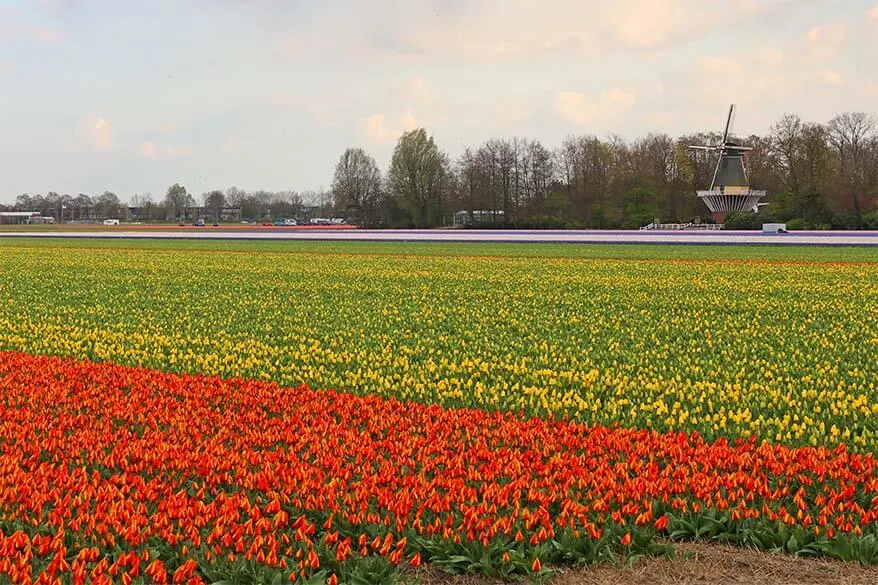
(730, 188)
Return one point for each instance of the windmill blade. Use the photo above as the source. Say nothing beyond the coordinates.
(694, 147)
(728, 123)
(716, 172)
(732, 121)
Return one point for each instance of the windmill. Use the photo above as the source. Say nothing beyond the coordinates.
(730, 188)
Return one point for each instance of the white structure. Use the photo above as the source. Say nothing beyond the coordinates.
(670, 227)
(24, 217)
(479, 217)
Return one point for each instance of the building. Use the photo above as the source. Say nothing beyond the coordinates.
(23, 217)
(196, 212)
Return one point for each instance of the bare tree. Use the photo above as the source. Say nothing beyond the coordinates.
(141, 199)
(235, 196)
(850, 135)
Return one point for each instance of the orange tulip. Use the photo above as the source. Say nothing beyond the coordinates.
(247, 469)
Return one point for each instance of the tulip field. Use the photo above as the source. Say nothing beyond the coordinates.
(313, 413)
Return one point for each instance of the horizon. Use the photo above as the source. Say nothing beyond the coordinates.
(131, 99)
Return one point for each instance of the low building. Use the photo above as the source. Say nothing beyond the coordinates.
(479, 217)
(24, 217)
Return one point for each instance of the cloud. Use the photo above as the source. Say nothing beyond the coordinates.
(148, 149)
(416, 90)
(378, 130)
(490, 30)
(819, 70)
(723, 66)
(318, 108)
(45, 35)
(766, 73)
(824, 42)
(151, 150)
(581, 108)
(511, 112)
(229, 145)
(177, 151)
(647, 23)
(324, 115)
(282, 99)
(96, 131)
(13, 27)
(663, 119)
(289, 48)
(771, 56)
(831, 78)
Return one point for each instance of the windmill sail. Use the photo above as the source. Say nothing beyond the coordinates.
(728, 124)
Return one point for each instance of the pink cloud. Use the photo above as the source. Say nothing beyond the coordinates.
(13, 27)
(378, 130)
(824, 42)
(177, 151)
(96, 131)
(580, 108)
(148, 149)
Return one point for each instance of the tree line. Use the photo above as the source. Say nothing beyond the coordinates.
(818, 175)
(176, 205)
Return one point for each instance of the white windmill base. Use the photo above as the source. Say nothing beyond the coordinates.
(721, 203)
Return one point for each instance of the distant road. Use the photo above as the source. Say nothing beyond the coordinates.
(823, 238)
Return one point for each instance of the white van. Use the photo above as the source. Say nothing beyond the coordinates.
(111, 222)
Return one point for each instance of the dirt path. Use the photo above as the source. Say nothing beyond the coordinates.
(701, 564)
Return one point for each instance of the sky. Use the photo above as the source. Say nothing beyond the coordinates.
(132, 97)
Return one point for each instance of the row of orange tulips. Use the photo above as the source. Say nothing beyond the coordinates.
(111, 473)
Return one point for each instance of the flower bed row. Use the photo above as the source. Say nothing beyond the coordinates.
(111, 473)
(780, 350)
